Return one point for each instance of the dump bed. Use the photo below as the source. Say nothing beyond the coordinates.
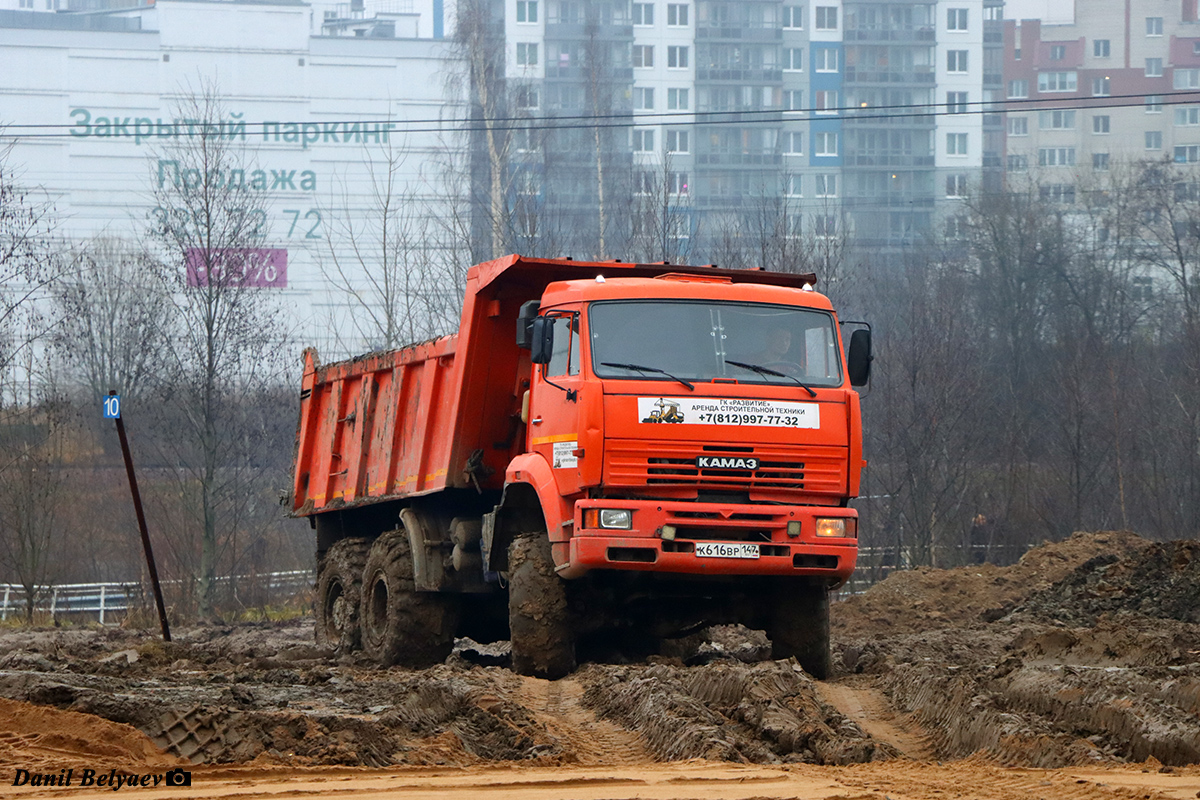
(442, 414)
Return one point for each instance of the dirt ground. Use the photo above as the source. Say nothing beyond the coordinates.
(1072, 674)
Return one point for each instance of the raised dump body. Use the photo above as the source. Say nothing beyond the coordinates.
(672, 445)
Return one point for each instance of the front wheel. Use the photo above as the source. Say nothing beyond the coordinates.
(399, 624)
(799, 626)
(543, 642)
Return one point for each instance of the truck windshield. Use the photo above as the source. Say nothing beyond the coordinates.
(700, 340)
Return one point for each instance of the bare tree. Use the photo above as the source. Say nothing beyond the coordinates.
(209, 231)
(660, 222)
(109, 309)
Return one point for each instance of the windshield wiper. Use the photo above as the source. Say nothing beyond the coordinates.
(761, 370)
(640, 368)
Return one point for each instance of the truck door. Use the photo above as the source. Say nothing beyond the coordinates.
(554, 402)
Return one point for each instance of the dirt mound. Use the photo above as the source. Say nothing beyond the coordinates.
(920, 599)
(1158, 580)
(38, 738)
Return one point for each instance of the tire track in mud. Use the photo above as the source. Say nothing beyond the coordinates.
(583, 736)
(869, 709)
(980, 780)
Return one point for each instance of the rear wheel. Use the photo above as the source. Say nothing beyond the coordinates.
(799, 626)
(543, 641)
(339, 591)
(399, 624)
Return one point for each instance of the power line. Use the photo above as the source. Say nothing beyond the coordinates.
(702, 118)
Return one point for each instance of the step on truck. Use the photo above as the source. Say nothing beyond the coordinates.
(603, 456)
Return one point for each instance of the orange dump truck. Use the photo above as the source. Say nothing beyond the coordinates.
(604, 455)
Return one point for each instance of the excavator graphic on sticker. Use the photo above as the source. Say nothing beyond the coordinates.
(665, 411)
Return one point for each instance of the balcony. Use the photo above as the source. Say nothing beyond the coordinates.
(739, 75)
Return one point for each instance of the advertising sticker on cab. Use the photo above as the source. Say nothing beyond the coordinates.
(564, 454)
(725, 411)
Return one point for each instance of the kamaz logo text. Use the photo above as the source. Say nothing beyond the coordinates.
(726, 462)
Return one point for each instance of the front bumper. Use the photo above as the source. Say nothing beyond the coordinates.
(644, 548)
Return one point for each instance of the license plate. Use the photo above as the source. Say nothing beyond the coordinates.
(726, 550)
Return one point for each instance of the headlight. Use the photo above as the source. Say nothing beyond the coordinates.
(620, 518)
(837, 527)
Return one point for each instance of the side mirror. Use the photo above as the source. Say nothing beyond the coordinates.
(525, 318)
(858, 360)
(541, 330)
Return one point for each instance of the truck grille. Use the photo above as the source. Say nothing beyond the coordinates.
(811, 469)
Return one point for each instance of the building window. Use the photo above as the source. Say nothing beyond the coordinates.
(993, 13)
(1196, 48)
(827, 59)
(1187, 154)
(793, 100)
(677, 99)
(827, 18)
(1154, 26)
(1188, 116)
(1018, 126)
(793, 185)
(1100, 123)
(956, 19)
(1018, 163)
(643, 140)
(677, 57)
(1142, 289)
(528, 98)
(1060, 120)
(1154, 104)
(793, 17)
(643, 99)
(643, 55)
(826, 185)
(827, 102)
(826, 144)
(1101, 48)
(1186, 78)
(1056, 156)
(643, 13)
(1100, 162)
(1101, 87)
(527, 141)
(793, 143)
(956, 185)
(677, 183)
(527, 10)
(793, 59)
(1057, 81)
(1018, 90)
(1058, 193)
(956, 102)
(1154, 140)
(527, 54)
(956, 61)
(677, 15)
(825, 226)
(956, 227)
(1154, 68)
(644, 183)
(678, 141)
(1058, 52)
(956, 144)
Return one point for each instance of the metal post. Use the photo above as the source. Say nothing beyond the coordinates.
(54, 603)
(141, 518)
(102, 604)
(4, 608)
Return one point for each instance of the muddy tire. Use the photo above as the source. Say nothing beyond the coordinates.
(799, 627)
(543, 641)
(339, 594)
(400, 625)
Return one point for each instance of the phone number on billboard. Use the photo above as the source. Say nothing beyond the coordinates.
(731, 418)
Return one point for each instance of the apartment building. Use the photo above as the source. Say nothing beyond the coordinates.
(1110, 87)
(853, 113)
